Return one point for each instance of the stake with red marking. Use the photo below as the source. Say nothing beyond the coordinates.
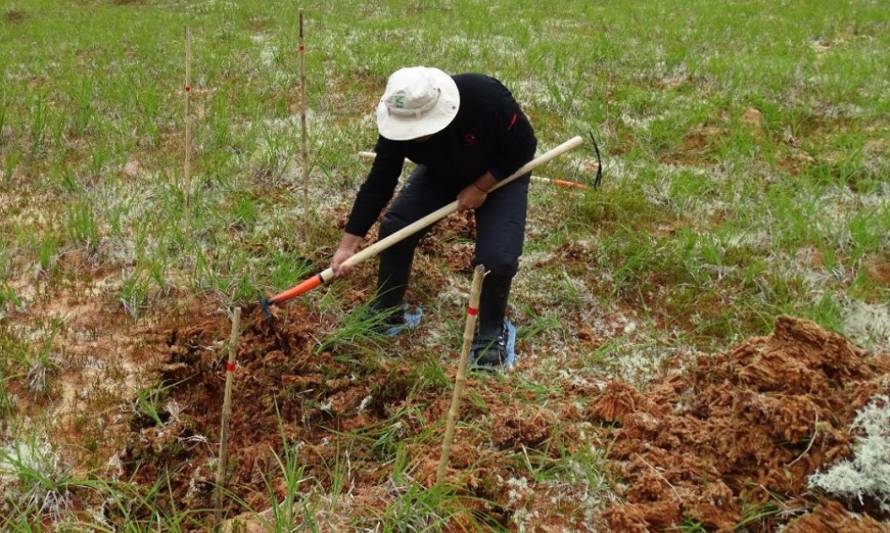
(304, 148)
(430, 219)
(461, 379)
(227, 412)
(187, 91)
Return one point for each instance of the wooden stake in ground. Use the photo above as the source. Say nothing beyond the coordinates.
(187, 88)
(461, 379)
(304, 147)
(227, 412)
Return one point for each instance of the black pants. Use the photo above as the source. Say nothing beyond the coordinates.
(500, 232)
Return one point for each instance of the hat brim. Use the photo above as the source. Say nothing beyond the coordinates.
(400, 128)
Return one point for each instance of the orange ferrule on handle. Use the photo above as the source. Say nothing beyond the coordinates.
(567, 184)
(297, 290)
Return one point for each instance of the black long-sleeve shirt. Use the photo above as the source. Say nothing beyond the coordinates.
(490, 133)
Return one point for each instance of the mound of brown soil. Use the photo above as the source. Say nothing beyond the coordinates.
(737, 427)
(283, 390)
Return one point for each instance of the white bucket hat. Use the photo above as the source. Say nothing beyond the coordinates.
(418, 101)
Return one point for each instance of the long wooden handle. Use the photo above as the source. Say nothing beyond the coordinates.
(461, 379)
(437, 215)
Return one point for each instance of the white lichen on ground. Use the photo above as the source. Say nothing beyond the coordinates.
(868, 324)
(867, 473)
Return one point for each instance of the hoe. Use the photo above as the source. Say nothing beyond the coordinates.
(374, 249)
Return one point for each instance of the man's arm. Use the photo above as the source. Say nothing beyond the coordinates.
(474, 194)
(377, 188)
(372, 196)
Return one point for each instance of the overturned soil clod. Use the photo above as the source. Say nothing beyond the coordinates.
(284, 390)
(831, 517)
(736, 429)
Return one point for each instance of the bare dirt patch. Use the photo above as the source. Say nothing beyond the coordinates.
(696, 145)
(449, 241)
(880, 271)
(452, 239)
(737, 428)
(14, 16)
(752, 117)
(92, 356)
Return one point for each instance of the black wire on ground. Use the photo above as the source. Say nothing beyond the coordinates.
(599, 162)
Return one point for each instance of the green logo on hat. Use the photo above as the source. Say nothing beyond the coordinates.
(399, 101)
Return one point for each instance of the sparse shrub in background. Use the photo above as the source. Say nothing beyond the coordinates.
(33, 476)
(38, 124)
(149, 404)
(867, 473)
(42, 365)
(80, 222)
(47, 252)
(7, 403)
(134, 293)
(34, 360)
(10, 163)
(7, 296)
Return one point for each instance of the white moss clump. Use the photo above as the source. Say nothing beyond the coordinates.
(867, 473)
(868, 324)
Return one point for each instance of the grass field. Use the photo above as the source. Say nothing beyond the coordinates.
(745, 149)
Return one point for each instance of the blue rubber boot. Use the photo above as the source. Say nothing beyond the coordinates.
(495, 355)
(410, 319)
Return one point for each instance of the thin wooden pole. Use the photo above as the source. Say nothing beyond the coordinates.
(187, 88)
(304, 148)
(461, 379)
(227, 412)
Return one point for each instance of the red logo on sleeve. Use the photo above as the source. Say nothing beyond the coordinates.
(470, 139)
